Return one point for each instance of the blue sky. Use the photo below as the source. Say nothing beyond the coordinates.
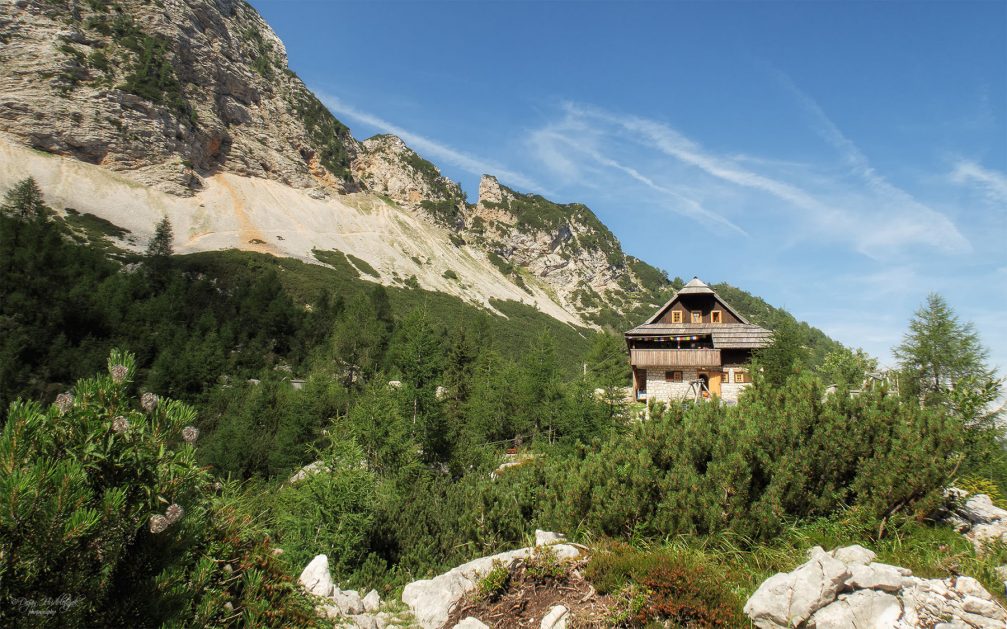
(839, 159)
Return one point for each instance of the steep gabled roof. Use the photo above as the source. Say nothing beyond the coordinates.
(695, 287)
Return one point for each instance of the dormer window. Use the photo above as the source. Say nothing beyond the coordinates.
(676, 316)
(697, 317)
(716, 316)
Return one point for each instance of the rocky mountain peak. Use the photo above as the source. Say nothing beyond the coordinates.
(492, 193)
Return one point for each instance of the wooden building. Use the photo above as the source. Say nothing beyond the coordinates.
(695, 345)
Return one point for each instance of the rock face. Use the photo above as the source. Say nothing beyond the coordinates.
(845, 588)
(194, 98)
(171, 92)
(431, 600)
(564, 246)
(387, 166)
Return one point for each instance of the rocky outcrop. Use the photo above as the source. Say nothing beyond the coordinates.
(388, 167)
(170, 92)
(846, 588)
(976, 517)
(431, 600)
(563, 246)
(346, 606)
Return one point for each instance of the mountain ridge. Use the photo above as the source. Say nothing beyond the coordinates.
(225, 121)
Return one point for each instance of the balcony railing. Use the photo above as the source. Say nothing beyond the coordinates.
(675, 357)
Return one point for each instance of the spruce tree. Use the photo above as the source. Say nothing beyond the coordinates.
(24, 201)
(160, 246)
(939, 351)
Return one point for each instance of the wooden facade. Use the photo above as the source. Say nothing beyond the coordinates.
(696, 345)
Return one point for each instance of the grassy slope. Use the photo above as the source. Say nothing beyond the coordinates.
(512, 335)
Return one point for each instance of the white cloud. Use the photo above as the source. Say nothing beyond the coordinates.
(432, 148)
(874, 216)
(992, 182)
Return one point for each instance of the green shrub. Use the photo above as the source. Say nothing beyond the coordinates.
(330, 511)
(495, 583)
(102, 503)
(543, 566)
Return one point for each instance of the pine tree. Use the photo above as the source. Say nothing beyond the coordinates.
(160, 246)
(24, 201)
(939, 351)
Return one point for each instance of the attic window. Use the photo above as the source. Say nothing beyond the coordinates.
(715, 316)
(697, 317)
(676, 316)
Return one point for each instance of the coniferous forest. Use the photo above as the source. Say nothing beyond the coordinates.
(155, 407)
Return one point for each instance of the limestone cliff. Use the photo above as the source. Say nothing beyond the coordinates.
(385, 165)
(170, 91)
(192, 105)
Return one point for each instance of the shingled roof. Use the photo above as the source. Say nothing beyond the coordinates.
(742, 335)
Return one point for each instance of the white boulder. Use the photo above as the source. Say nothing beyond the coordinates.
(349, 601)
(789, 598)
(308, 470)
(471, 623)
(871, 595)
(372, 602)
(315, 577)
(547, 538)
(854, 555)
(877, 576)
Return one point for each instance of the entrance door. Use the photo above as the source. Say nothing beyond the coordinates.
(712, 379)
(715, 378)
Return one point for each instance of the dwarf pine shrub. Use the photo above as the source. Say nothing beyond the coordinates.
(107, 520)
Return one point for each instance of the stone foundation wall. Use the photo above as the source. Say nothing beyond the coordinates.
(661, 390)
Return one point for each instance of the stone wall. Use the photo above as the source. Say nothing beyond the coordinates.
(659, 389)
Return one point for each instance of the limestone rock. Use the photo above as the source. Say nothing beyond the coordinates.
(854, 555)
(233, 106)
(308, 470)
(556, 618)
(315, 577)
(976, 517)
(872, 595)
(431, 600)
(791, 598)
(864, 609)
(471, 623)
(349, 602)
(372, 602)
(876, 576)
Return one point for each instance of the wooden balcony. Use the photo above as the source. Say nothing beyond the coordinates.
(675, 357)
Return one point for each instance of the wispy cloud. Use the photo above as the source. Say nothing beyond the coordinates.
(432, 148)
(554, 148)
(873, 215)
(993, 183)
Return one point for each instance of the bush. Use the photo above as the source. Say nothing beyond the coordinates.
(103, 506)
(495, 583)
